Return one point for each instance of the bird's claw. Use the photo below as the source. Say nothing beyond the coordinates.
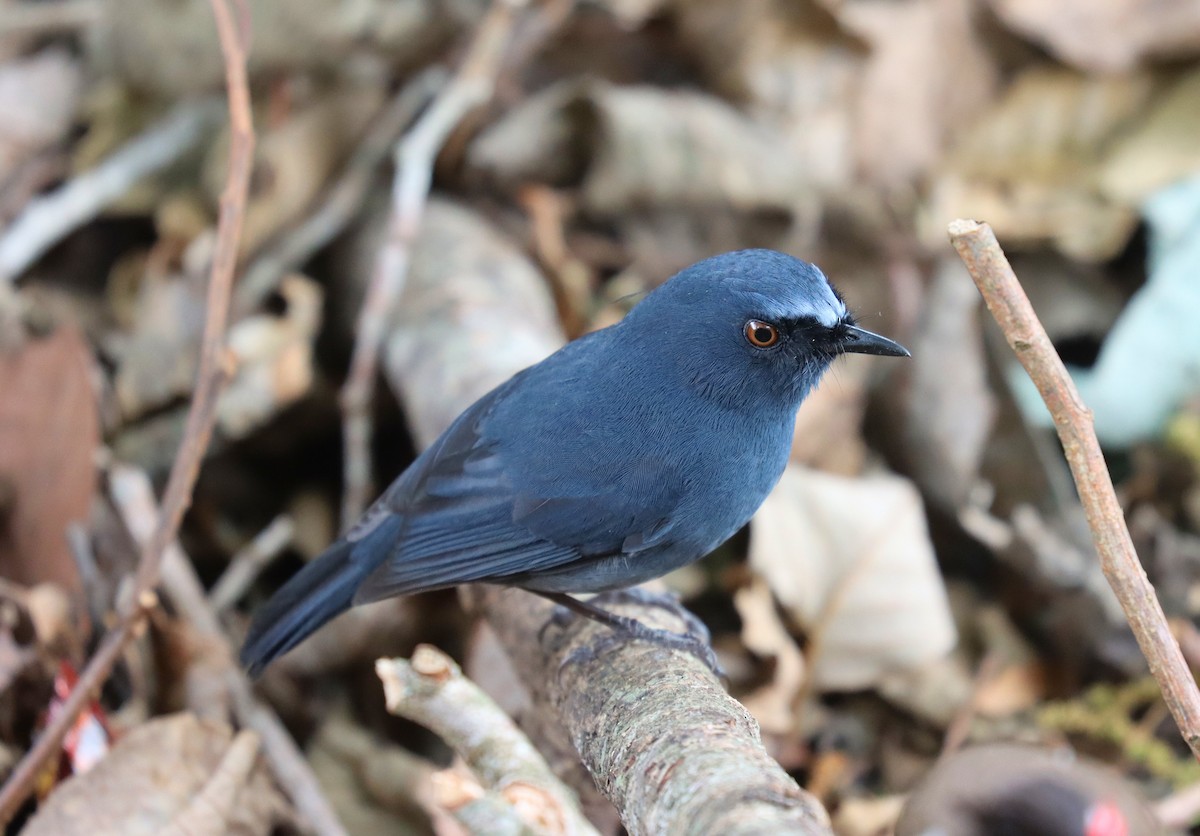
(696, 639)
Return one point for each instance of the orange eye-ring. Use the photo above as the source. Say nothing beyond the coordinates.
(761, 334)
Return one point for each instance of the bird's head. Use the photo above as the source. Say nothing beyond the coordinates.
(752, 325)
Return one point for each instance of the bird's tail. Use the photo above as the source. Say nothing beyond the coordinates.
(316, 594)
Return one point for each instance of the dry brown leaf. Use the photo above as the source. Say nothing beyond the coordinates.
(274, 358)
(1106, 37)
(1030, 165)
(867, 816)
(1160, 149)
(293, 162)
(464, 272)
(38, 97)
(851, 561)
(49, 434)
(766, 635)
(1013, 689)
(175, 774)
(639, 147)
(795, 68)
(158, 361)
(173, 49)
(928, 74)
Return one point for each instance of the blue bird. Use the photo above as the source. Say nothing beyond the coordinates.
(626, 454)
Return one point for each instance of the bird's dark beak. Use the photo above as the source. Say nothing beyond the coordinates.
(860, 341)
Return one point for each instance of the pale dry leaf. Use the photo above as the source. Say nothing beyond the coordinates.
(766, 635)
(928, 74)
(851, 560)
(206, 813)
(640, 147)
(867, 816)
(633, 13)
(157, 362)
(464, 272)
(274, 358)
(1160, 150)
(173, 49)
(38, 97)
(293, 161)
(49, 433)
(797, 70)
(1013, 689)
(1030, 165)
(50, 610)
(934, 692)
(171, 770)
(1106, 37)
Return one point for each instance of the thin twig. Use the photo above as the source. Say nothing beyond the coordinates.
(979, 249)
(52, 217)
(198, 429)
(249, 562)
(431, 690)
(342, 201)
(960, 725)
(134, 498)
(415, 157)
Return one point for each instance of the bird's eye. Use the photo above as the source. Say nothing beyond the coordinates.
(761, 334)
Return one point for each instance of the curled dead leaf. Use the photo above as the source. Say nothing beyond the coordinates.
(851, 560)
(637, 147)
(274, 358)
(1106, 37)
(175, 774)
(466, 274)
(293, 161)
(1030, 164)
(766, 635)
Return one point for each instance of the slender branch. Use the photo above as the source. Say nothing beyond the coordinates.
(431, 690)
(134, 498)
(198, 429)
(48, 219)
(342, 201)
(979, 249)
(415, 156)
(249, 562)
(654, 727)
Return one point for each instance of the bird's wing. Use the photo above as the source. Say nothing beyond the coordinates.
(464, 522)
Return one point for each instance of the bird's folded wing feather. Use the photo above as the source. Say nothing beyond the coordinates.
(463, 521)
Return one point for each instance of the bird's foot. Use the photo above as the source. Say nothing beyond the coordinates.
(696, 639)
